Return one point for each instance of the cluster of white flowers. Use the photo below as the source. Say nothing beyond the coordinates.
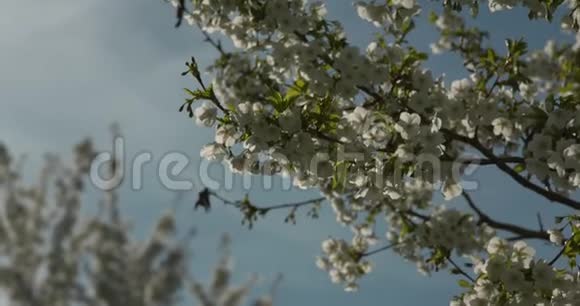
(536, 7)
(378, 15)
(558, 162)
(240, 79)
(512, 276)
(384, 14)
(345, 214)
(245, 21)
(453, 230)
(345, 262)
(446, 230)
(446, 22)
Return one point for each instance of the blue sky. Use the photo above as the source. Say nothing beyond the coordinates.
(70, 68)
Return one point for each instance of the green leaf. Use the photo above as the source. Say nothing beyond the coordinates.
(463, 283)
(520, 168)
(408, 26)
(438, 257)
(516, 48)
(193, 69)
(191, 93)
(340, 172)
(296, 90)
(406, 228)
(277, 101)
(570, 251)
(567, 88)
(491, 56)
(433, 17)
(200, 94)
(572, 262)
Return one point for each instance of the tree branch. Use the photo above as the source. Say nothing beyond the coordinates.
(520, 231)
(486, 161)
(292, 205)
(488, 153)
(326, 137)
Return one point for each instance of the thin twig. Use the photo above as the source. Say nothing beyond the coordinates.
(459, 269)
(540, 222)
(381, 249)
(269, 208)
(181, 12)
(326, 137)
(553, 261)
(493, 85)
